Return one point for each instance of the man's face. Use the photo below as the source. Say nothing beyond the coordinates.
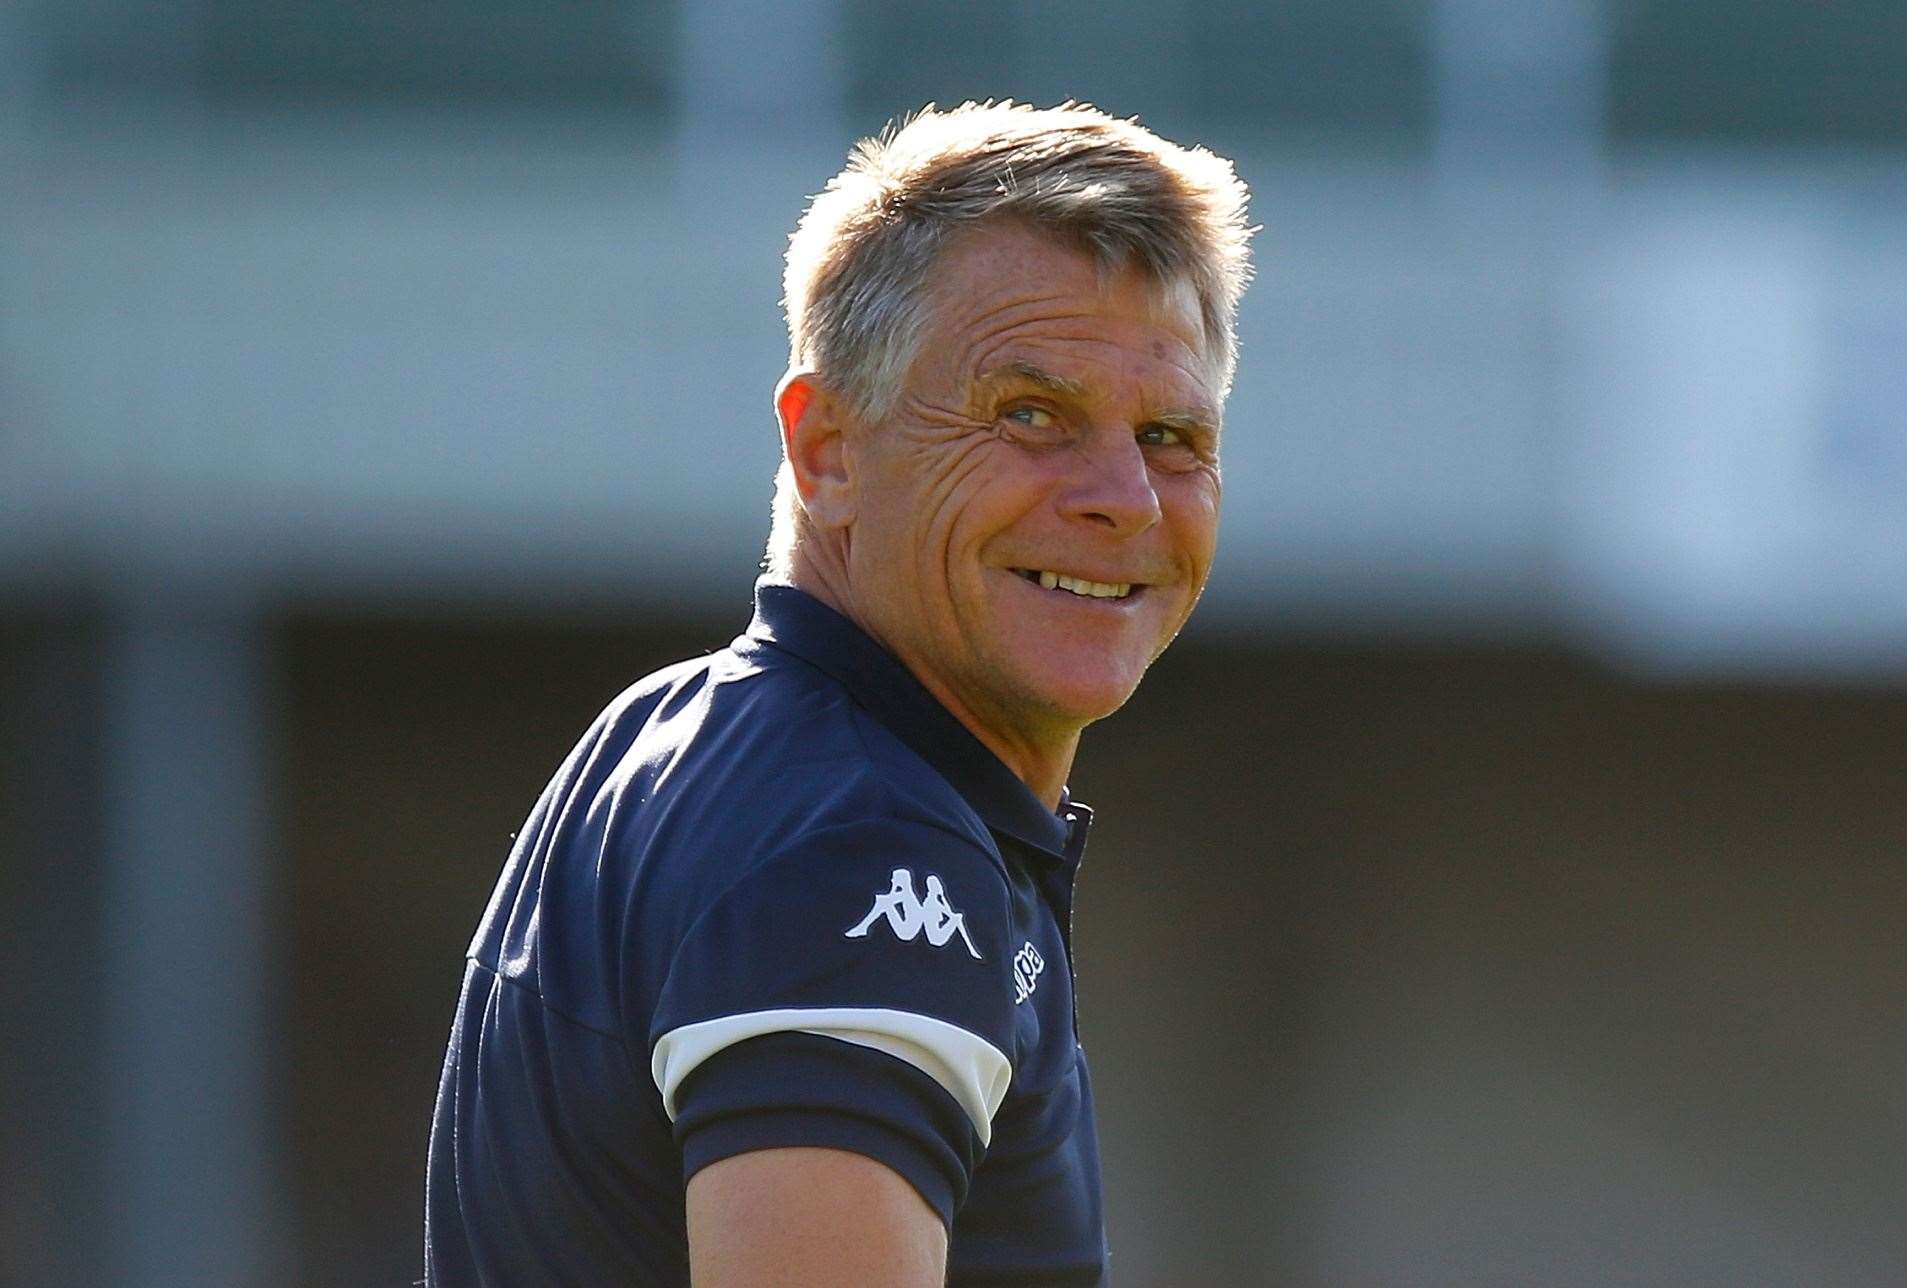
(1051, 427)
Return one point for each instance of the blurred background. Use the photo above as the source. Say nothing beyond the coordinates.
(1501, 883)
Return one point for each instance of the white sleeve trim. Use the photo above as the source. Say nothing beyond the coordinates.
(973, 1070)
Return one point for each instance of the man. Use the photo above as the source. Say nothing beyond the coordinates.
(776, 985)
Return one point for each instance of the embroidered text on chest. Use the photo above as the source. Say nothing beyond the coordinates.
(1027, 965)
(909, 915)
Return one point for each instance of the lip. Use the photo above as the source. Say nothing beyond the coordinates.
(1021, 571)
(1056, 596)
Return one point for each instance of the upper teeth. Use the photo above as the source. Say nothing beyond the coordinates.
(1080, 586)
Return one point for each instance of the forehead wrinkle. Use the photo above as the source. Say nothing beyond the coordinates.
(988, 317)
(982, 330)
(974, 343)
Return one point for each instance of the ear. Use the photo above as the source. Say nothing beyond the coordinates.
(814, 442)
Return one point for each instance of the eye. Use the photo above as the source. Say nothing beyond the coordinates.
(1033, 417)
(1160, 436)
(1034, 425)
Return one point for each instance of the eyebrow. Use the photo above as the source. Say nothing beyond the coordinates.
(1027, 373)
(1190, 420)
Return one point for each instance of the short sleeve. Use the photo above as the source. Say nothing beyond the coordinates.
(852, 992)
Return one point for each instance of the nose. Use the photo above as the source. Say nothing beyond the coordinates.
(1112, 488)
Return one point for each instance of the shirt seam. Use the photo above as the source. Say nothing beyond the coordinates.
(547, 1005)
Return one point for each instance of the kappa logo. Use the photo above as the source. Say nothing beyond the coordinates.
(1027, 965)
(909, 915)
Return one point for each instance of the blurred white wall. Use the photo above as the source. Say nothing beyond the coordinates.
(1656, 405)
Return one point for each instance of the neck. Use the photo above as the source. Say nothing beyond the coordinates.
(1043, 763)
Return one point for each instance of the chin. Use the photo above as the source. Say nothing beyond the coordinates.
(1065, 664)
(1077, 698)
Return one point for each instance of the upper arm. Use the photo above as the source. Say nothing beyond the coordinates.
(803, 1218)
(855, 993)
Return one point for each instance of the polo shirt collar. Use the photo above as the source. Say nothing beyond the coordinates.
(796, 622)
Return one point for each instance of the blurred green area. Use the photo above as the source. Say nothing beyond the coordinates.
(1746, 72)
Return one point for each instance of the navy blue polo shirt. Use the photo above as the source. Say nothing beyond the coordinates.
(776, 896)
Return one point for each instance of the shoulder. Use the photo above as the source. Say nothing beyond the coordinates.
(741, 800)
(783, 750)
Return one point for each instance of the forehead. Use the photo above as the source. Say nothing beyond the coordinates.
(1001, 289)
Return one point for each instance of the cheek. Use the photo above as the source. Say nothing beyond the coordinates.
(927, 517)
(1192, 510)
(915, 493)
(993, 488)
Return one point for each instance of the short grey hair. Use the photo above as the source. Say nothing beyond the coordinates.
(860, 261)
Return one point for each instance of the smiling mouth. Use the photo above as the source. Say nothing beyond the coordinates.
(1079, 586)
